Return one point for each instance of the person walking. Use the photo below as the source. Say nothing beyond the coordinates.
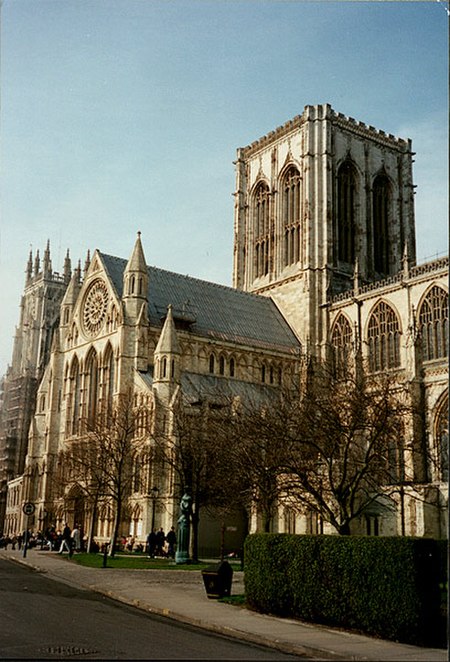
(171, 542)
(76, 538)
(160, 540)
(66, 539)
(151, 543)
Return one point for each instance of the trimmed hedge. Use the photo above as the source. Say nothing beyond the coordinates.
(388, 587)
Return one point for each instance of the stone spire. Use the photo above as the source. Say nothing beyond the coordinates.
(47, 263)
(67, 268)
(405, 261)
(87, 263)
(168, 352)
(135, 280)
(37, 263)
(356, 283)
(29, 270)
(168, 340)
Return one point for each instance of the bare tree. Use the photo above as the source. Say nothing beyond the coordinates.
(333, 445)
(101, 461)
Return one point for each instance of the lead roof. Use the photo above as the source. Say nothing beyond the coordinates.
(211, 310)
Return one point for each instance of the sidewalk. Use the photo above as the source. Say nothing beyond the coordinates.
(181, 596)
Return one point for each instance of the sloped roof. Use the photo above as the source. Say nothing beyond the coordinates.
(212, 310)
(196, 387)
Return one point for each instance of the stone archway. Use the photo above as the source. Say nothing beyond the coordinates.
(76, 508)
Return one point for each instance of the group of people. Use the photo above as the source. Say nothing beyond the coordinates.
(160, 544)
(72, 540)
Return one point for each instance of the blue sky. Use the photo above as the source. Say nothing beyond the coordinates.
(125, 115)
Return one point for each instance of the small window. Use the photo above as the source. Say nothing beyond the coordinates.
(231, 367)
(221, 366)
(263, 373)
(211, 364)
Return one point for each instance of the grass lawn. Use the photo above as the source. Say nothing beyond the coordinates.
(136, 562)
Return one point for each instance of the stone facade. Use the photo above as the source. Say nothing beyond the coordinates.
(324, 266)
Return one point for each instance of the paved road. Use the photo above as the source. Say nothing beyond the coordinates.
(44, 619)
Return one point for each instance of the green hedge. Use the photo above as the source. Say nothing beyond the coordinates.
(388, 587)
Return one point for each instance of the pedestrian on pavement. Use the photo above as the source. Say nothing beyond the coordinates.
(151, 543)
(171, 542)
(160, 540)
(66, 539)
(76, 538)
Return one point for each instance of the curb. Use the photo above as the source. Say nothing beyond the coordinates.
(232, 633)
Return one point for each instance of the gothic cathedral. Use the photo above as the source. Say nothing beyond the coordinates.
(324, 266)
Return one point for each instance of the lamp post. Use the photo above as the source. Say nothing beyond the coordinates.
(155, 491)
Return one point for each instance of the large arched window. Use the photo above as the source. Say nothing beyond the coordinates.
(381, 195)
(341, 343)
(433, 321)
(73, 407)
(109, 380)
(291, 210)
(92, 387)
(384, 338)
(261, 225)
(346, 212)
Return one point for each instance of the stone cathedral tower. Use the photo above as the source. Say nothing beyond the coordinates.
(320, 201)
(39, 319)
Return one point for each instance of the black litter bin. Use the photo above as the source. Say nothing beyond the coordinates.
(217, 579)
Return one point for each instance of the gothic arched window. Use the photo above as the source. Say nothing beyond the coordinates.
(212, 362)
(341, 343)
(231, 367)
(261, 226)
(109, 380)
(441, 432)
(346, 212)
(291, 209)
(381, 195)
(384, 338)
(73, 407)
(92, 387)
(433, 320)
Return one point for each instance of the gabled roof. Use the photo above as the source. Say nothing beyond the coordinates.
(212, 310)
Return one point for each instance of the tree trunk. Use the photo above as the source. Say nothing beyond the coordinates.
(92, 525)
(112, 547)
(344, 529)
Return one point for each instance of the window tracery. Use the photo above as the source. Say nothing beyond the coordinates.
(381, 195)
(291, 208)
(384, 338)
(341, 343)
(346, 212)
(261, 225)
(433, 321)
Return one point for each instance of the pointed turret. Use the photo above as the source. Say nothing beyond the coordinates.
(67, 268)
(135, 281)
(87, 263)
(356, 277)
(37, 263)
(29, 271)
(405, 261)
(70, 298)
(47, 263)
(168, 352)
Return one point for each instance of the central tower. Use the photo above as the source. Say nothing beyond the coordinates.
(319, 201)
